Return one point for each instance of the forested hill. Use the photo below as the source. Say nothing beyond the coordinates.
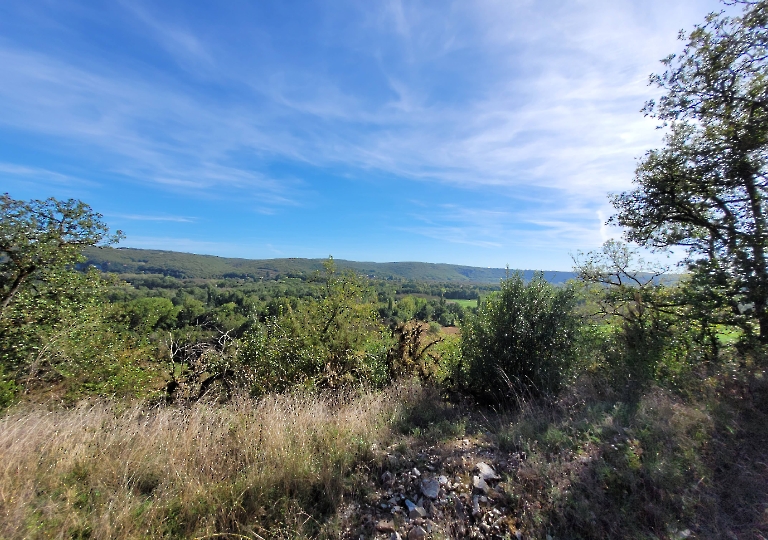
(189, 266)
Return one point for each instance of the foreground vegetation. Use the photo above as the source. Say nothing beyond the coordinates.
(279, 466)
(588, 465)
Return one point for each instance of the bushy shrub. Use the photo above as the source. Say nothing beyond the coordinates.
(333, 341)
(520, 343)
(65, 333)
(152, 313)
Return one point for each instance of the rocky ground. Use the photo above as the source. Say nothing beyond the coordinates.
(453, 489)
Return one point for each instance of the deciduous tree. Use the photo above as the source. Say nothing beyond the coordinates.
(706, 189)
(43, 236)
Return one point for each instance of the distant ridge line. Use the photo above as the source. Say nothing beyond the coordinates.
(192, 266)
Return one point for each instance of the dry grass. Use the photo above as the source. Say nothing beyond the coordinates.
(276, 467)
(588, 466)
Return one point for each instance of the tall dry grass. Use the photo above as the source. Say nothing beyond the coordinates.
(275, 467)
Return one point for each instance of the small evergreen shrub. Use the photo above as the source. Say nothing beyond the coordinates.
(520, 343)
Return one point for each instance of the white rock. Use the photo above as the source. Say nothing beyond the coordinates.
(486, 471)
(430, 488)
(479, 484)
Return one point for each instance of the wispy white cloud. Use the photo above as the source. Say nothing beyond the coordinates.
(181, 44)
(40, 175)
(141, 217)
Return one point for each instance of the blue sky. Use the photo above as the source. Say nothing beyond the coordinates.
(481, 133)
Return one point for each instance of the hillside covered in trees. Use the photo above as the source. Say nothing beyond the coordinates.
(189, 266)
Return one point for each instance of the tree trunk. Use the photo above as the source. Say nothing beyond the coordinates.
(763, 320)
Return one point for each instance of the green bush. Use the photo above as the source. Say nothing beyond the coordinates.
(331, 342)
(8, 390)
(152, 313)
(520, 343)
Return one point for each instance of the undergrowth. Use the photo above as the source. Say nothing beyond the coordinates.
(593, 466)
(589, 465)
(276, 467)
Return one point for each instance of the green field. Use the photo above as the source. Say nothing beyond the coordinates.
(465, 303)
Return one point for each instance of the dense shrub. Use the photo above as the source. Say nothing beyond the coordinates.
(329, 342)
(520, 343)
(64, 333)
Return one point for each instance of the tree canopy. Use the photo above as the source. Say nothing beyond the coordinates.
(40, 236)
(706, 189)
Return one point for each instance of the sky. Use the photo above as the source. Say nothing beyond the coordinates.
(484, 133)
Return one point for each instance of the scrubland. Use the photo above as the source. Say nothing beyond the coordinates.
(588, 465)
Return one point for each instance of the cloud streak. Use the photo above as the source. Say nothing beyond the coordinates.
(139, 217)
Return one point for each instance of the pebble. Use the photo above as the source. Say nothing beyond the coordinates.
(479, 484)
(475, 506)
(430, 488)
(460, 513)
(417, 533)
(417, 512)
(386, 526)
(486, 471)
